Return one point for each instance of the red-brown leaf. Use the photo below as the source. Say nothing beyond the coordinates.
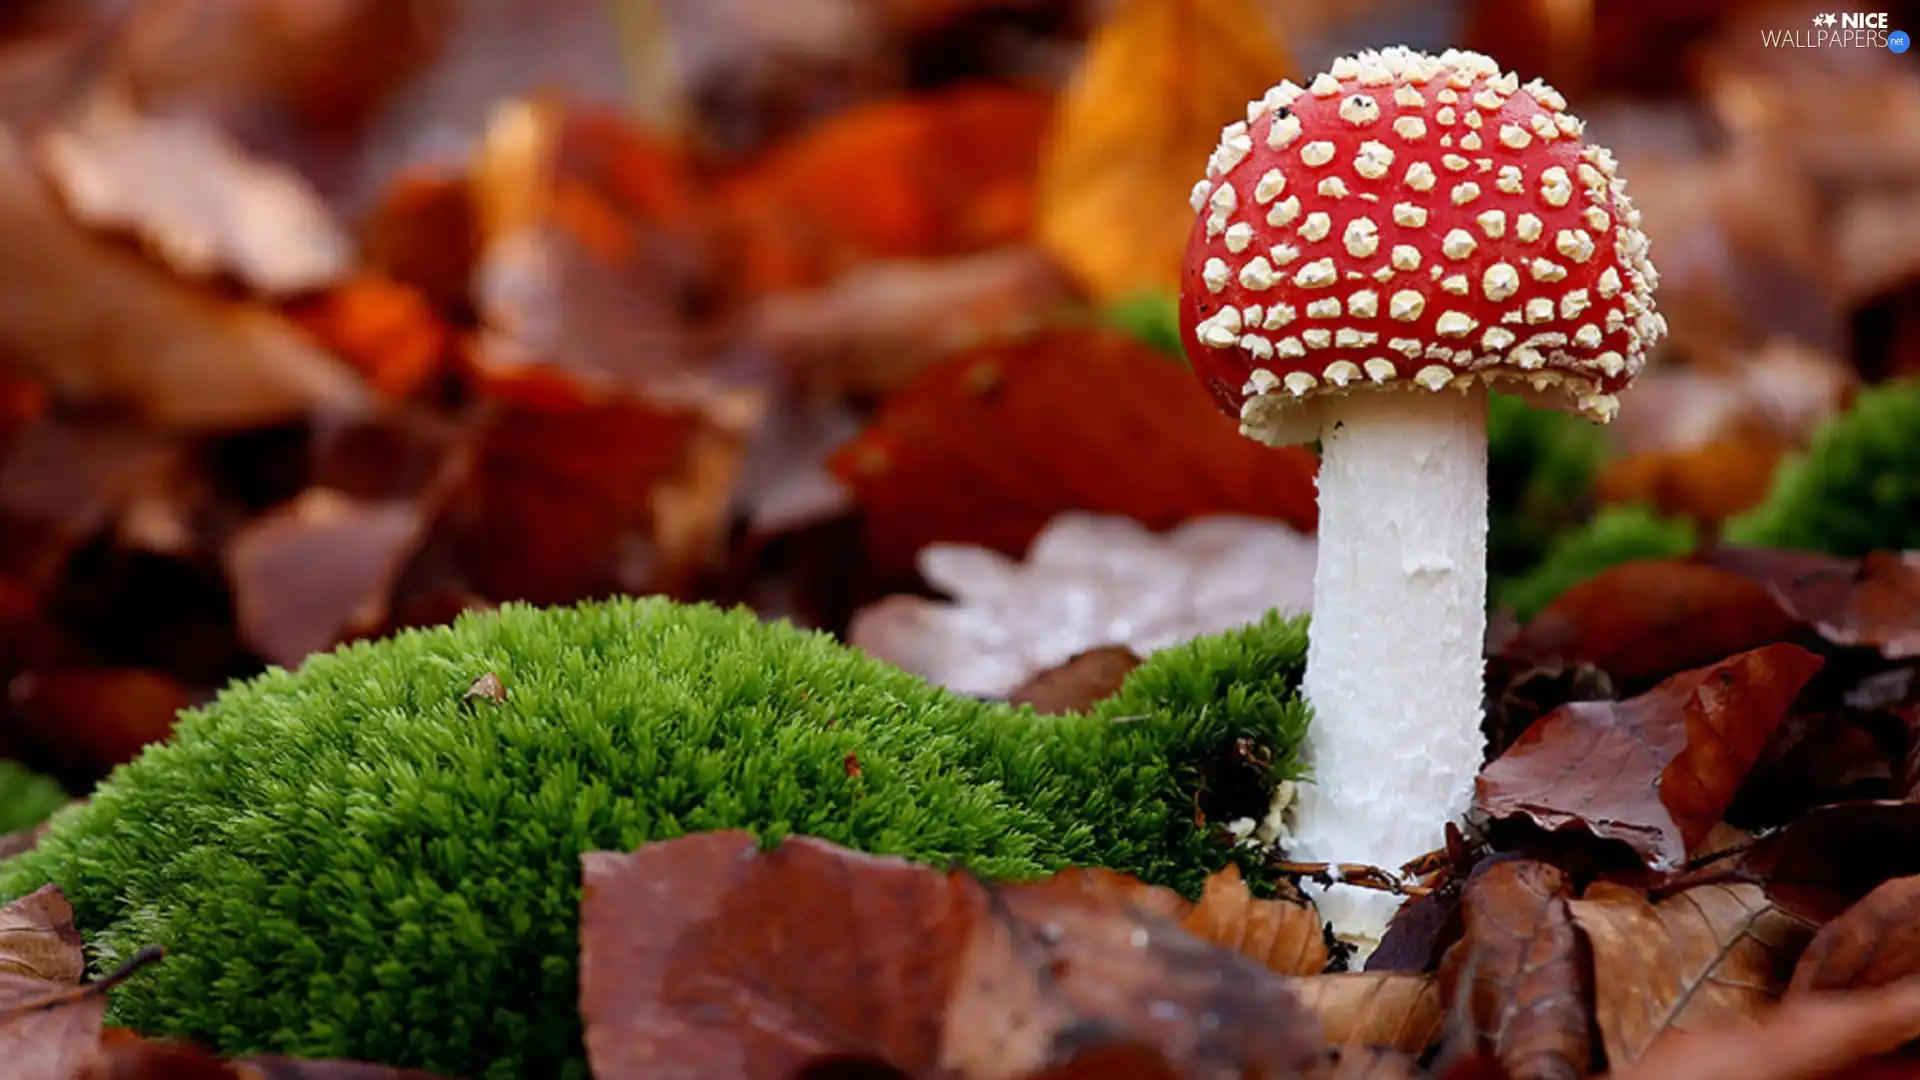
(1647, 620)
(1870, 603)
(1806, 1037)
(1519, 973)
(1873, 943)
(986, 448)
(1655, 771)
(1709, 958)
(47, 1027)
(729, 962)
(139, 1059)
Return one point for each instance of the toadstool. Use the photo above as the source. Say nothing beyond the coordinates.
(1371, 254)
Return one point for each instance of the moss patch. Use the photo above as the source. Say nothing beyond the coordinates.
(26, 797)
(353, 860)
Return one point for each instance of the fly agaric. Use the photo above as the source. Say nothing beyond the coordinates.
(1371, 254)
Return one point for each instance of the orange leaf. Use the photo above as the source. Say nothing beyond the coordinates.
(987, 447)
(383, 328)
(1284, 935)
(944, 174)
(1135, 129)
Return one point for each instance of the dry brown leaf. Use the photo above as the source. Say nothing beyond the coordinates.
(101, 325)
(1284, 935)
(1520, 973)
(728, 961)
(1872, 944)
(48, 1025)
(196, 199)
(1401, 1010)
(88, 720)
(878, 325)
(1709, 958)
(318, 570)
(1075, 686)
(38, 938)
(1134, 130)
(1806, 1037)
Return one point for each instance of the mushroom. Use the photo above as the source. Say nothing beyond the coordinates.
(1371, 254)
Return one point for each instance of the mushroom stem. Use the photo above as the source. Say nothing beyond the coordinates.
(1394, 664)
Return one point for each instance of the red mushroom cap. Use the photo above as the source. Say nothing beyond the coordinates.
(1413, 221)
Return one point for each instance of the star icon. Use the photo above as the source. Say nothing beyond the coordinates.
(1824, 20)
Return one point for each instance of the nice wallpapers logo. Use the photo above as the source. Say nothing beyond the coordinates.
(1845, 30)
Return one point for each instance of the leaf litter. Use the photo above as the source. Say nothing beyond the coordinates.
(291, 358)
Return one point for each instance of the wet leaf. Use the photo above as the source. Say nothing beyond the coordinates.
(1675, 756)
(1649, 619)
(1371, 1008)
(1520, 971)
(47, 1025)
(196, 199)
(947, 173)
(99, 325)
(1285, 936)
(730, 963)
(1149, 445)
(1871, 944)
(1709, 958)
(1134, 131)
(1806, 1037)
(1073, 687)
(318, 570)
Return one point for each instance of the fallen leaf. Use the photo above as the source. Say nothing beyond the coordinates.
(38, 939)
(1134, 130)
(1148, 445)
(1871, 944)
(1873, 602)
(1286, 936)
(1649, 619)
(318, 570)
(1074, 686)
(1708, 483)
(730, 962)
(487, 687)
(1817, 758)
(1368, 1063)
(102, 326)
(84, 721)
(48, 1026)
(384, 328)
(1394, 1009)
(1086, 579)
(1712, 957)
(578, 498)
(63, 483)
(1520, 971)
(193, 196)
(1830, 858)
(946, 173)
(874, 328)
(1805, 1037)
(424, 231)
(1674, 757)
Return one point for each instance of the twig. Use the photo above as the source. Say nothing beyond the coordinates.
(67, 994)
(1358, 875)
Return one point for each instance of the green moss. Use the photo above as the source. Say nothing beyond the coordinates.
(1856, 488)
(1541, 465)
(350, 860)
(26, 797)
(1616, 535)
(1152, 317)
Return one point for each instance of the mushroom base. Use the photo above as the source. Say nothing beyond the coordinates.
(1395, 665)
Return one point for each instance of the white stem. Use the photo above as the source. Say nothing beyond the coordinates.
(1394, 660)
